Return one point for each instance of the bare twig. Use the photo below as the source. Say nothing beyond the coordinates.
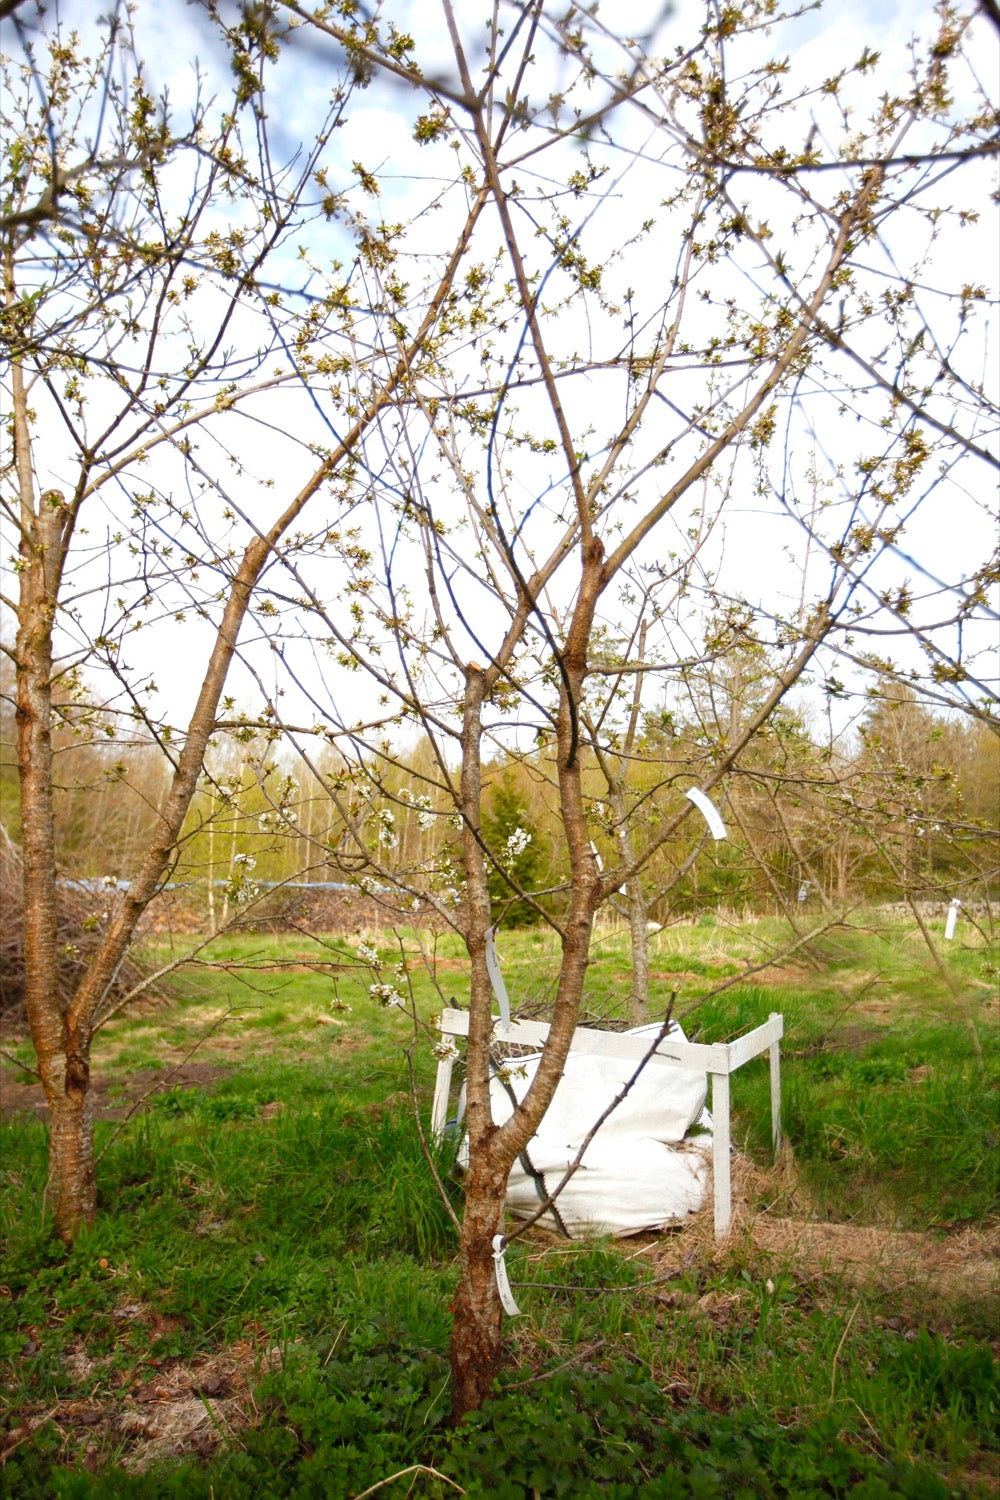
(402, 1473)
(31, 1072)
(843, 1336)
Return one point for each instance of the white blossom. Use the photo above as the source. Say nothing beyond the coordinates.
(386, 994)
(516, 844)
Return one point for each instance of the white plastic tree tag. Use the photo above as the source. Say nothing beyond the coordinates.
(716, 827)
(496, 978)
(503, 1285)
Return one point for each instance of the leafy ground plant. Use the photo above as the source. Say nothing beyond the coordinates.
(263, 1305)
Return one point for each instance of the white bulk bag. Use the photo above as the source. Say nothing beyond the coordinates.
(648, 1164)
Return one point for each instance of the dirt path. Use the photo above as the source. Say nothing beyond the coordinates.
(112, 1101)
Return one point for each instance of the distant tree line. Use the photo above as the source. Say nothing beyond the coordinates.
(906, 804)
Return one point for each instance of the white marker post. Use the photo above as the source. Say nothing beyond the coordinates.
(952, 919)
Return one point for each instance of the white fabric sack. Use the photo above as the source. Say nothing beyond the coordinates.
(619, 1192)
(643, 1168)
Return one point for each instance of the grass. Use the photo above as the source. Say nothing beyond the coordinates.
(262, 1306)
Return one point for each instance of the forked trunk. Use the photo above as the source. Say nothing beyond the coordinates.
(72, 1183)
(476, 1334)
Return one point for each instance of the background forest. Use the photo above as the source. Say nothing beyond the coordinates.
(904, 805)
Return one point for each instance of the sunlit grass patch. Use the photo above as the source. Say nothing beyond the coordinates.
(268, 1223)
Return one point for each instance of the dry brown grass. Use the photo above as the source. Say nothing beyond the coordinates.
(184, 1408)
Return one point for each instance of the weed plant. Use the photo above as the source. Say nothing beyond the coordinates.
(281, 1205)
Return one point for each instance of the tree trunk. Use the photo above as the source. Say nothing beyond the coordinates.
(636, 905)
(62, 1051)
(476, 1333)
(639, 998)
(635, 894)
(72, 1183)
(476, 1344)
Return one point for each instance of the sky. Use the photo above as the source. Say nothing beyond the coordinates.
(752, 547)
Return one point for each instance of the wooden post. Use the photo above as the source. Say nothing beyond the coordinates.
(442, 1087)
(775, 1052)
(720, 1154)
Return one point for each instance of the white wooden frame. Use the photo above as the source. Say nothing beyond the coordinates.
(718, 1059)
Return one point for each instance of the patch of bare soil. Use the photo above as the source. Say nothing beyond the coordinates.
(885, 1011)
(962, 1264)
(112, 1101)
(675, 978)
(840, 1039)
(179, 1408)
(450, 965)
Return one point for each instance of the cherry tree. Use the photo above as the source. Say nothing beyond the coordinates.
(708, 379)
(154, 317)
(611, 358)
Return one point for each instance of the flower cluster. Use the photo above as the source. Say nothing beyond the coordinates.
(386, 994)
(516, 844)
(425, 815)
(507, 1072)
(277, 818)
(241, 888)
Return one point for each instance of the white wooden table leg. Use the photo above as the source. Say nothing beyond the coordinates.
(720, 1154)
(439, 1109)
(775, 1051)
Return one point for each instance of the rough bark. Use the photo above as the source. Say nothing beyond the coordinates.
(476, 1334)
(634, 893)
(476, 1328)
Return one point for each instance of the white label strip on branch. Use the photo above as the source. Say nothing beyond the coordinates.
(496, 978)
(716, 827)
(503, 1285)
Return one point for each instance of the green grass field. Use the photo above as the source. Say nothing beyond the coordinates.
(262, 1307)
